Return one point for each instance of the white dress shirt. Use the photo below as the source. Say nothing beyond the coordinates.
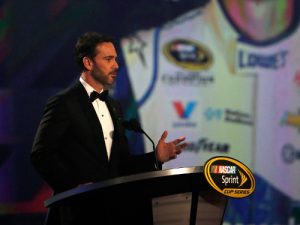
(103, 116)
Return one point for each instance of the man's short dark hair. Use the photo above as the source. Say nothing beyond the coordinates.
(86, 46)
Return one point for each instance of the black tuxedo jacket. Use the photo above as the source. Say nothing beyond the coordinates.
(69, 147)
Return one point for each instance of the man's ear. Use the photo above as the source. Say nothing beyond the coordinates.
(87, 62)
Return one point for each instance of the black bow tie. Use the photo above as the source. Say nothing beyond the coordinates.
(102, 96)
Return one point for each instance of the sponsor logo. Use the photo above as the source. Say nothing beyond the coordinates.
(297, 78)
(290, 154)
(228, 115)
(238, 117)
(291, 119)
(229, 176)
(213, 114)
(223, 169)
(187, 78)
(184, 112)
(255, 60)
(188, 54)
(206, 145)
(137, 45)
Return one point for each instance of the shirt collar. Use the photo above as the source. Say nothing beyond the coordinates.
(89, 89)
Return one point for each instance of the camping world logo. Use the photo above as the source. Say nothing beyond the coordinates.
(229, 176)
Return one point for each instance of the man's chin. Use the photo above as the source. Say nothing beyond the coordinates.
(110, 84)
(112, 81)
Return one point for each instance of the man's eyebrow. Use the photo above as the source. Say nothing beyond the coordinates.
(110, 56)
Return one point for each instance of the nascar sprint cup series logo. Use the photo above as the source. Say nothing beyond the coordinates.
(229, 176)
(188, 54)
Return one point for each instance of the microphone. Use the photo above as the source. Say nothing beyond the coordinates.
(135, 126)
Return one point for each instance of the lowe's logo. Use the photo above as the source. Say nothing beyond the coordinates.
(184, 111)
(253, 60)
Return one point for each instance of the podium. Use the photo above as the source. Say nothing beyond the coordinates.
(167, 197)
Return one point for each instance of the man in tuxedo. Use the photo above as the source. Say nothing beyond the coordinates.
(81, 137)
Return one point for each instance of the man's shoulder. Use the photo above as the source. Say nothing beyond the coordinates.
(68, 93)
(72, 89)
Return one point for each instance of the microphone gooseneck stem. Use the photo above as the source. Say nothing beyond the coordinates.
(153, 146)
(135, 126)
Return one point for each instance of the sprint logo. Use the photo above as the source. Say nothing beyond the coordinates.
(229, 176)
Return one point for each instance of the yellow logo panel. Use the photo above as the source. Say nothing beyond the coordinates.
(229, 176)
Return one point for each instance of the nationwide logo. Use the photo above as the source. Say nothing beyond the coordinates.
(236, 116)
(228, 115)
(184, 112)
(213, 114)
(188, 54)
(290, 154)
(291, 119)
(229, 176)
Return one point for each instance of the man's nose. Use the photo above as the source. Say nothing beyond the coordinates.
(116, 65)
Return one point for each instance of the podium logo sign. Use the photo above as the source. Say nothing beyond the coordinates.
(229, 176)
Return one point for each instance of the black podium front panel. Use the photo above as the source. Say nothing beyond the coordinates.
(175, 196)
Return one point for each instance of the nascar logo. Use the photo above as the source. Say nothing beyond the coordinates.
(188, 54)
(223, 169)
(229, 176)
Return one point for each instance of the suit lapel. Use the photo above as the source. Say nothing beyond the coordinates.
(90, 117)
(116, 116)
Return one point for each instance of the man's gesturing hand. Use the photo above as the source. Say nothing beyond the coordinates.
(167, 151)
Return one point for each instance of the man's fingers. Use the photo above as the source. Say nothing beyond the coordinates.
(178, 140)
(164, 135)
(183, 145)
(180, 147)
